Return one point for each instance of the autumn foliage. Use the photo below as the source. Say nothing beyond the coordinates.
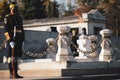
(82, 9)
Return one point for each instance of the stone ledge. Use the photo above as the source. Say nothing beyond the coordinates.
(42, 65)
(68, 65)
(48, 64)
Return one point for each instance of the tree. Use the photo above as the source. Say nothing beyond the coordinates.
(51, 9)
(82, 9)
(4, 9)
(111, 10)
(37, 9)
(33, 9)
(88, 2)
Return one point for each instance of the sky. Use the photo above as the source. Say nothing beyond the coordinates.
(65, 1)
(64, 5)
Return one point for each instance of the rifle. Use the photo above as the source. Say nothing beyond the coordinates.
(12, 44)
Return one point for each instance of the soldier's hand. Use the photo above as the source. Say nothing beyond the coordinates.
(12, 44)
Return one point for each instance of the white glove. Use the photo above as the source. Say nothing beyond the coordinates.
(4, 59)
(12, 44)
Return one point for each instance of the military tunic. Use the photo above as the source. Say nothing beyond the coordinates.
(13, 25)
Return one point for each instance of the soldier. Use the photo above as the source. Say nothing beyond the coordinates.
(13, 25)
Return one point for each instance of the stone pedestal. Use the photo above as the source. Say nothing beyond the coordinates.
(106, 46)
(94, 53)
(51, 51)
(64, 52)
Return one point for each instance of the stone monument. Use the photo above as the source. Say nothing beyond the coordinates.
(84, 46)
(106, 46)
(87, 46)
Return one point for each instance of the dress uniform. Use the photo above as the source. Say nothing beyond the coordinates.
(13, 25)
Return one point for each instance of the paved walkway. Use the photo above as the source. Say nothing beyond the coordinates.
(83, 77)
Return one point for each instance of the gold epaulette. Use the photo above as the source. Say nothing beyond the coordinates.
(7, 36)
(7, 15)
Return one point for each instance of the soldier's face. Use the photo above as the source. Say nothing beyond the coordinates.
(14, 10)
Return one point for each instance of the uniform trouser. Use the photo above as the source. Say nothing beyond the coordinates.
(13, 68)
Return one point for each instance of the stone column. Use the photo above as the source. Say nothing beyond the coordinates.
(106, 46)
(64, 52)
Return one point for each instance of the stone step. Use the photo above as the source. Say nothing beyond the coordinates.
(62, 72)
(92, 77)
(96, 71)
(33, 73)
(50, 68)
